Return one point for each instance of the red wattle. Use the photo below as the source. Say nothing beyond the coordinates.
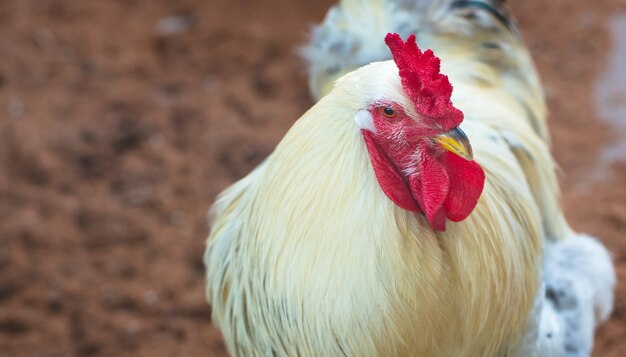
(389, 178)
(442, 187)
(430, 187)
(467, 180)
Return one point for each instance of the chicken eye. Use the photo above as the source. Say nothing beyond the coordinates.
(389, 112)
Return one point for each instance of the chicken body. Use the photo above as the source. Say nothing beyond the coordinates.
(307, 256)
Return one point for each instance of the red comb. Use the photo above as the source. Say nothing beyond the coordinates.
(428, 89)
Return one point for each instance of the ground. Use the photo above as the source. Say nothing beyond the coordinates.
(121, 120)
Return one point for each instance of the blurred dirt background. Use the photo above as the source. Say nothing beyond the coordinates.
(121, 120)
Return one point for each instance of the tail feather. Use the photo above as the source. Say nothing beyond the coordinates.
(482, 34)
(495, 7)
(352, 35)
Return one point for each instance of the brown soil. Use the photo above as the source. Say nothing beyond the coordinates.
(121, 120)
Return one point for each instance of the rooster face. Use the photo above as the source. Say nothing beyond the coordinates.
(421, 158)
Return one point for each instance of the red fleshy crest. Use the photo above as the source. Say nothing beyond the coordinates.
(428, 89)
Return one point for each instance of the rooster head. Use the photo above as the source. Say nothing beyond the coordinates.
(422, 159)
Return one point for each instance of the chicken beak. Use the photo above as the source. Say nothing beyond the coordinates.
(456, 142)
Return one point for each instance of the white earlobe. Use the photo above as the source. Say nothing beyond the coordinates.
(364, 120)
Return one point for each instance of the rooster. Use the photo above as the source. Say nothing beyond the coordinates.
(402, 217)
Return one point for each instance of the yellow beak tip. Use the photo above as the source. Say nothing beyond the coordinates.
(456, 142)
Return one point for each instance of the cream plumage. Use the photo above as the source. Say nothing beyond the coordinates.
(308, 256)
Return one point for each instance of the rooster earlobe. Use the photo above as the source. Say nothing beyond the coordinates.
(365, 121)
